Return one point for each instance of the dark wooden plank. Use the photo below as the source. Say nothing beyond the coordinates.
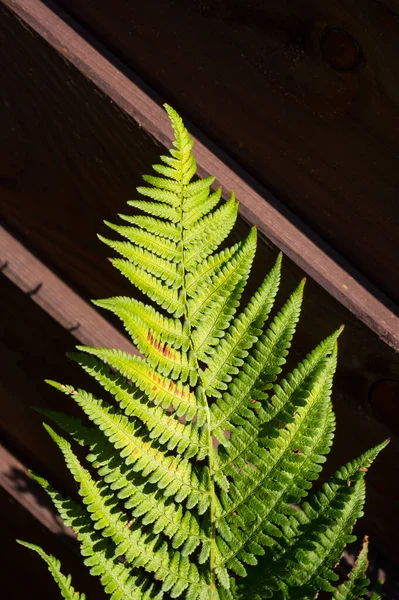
(305, 95)
(77, 158)
(107, 152)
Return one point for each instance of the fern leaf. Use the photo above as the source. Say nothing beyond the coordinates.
(242, 400)
(54, 566)
(168, 330)
(157, 209)
(208, 233)
(356, 585)
(209, 299)
(203, 205)
(130, 543)
(159, 389)
(253, 473)
(155, 243)
(172, 474)
(187, 438)
(158, 227)
(183, 527)
(208, 268)
(158, 267)
(167, 297)
(118, 581)
(198, 466)
(242, 335)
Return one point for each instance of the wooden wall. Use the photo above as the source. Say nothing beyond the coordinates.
(77, 133)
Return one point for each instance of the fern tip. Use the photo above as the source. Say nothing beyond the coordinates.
(52, 383)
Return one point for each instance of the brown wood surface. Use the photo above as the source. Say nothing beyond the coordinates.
(304, 94)
(108, 152)
(72, 158)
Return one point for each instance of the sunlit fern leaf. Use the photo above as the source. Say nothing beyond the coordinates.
(185, 528)
(139, 549)
(119, 581)
(189, 439)
(168, 330)
(54, 566)
(196, 461)
(242, 335)
(167, 249)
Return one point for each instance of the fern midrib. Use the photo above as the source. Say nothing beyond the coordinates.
(187, 323)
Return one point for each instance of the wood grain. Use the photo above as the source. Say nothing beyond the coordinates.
(79, 136)
(304, 95)
(100, 143)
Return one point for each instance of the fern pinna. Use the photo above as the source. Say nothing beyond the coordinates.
(199, 465)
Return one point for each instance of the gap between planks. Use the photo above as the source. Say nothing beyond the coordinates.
(257, 205)
(64, 305)
(16, 480)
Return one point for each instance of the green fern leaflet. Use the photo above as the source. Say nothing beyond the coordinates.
(201, 455)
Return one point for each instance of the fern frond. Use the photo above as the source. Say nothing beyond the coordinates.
(155, 243)
(118, 580)
(183, 527)
(167, 297)
(160, 389)
(198, 464)
(242, 402)
(252, 474)
(357, 583)
(210, 297)
(157, 209)
(208, 233)
(188, 438)
(54, 566)
(241, 336)
(155, 265)
(168, 330)
(172, 474)
(158, 227)
(316, 534)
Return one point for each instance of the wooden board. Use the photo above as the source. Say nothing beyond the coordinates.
(305, 95)
(72, 159)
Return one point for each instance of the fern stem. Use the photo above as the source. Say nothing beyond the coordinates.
(203, 399)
